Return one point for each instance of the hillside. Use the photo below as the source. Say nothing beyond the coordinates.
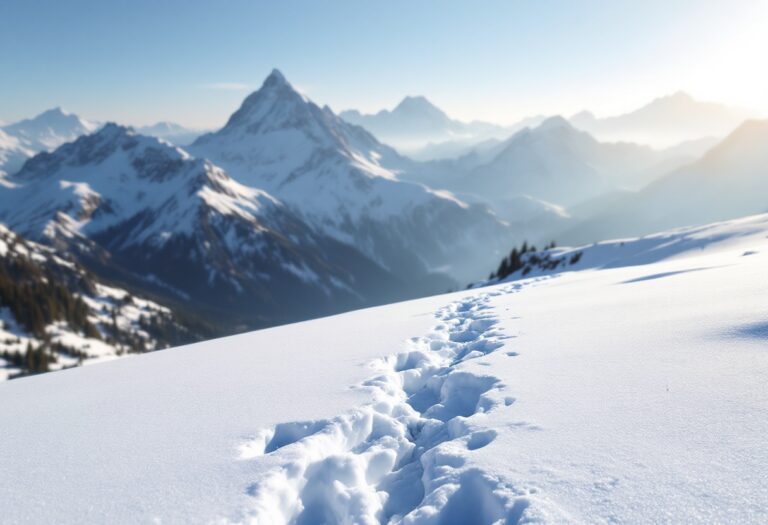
(54, 314)
(561, 398)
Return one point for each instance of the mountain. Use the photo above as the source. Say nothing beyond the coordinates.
(146, 214)
(170, 131)
(45, 132)
(415, 123)
(585, 397)
(344, 183)
(730, 180)
(552, 163)
(54, 314)
(50, 129)
(665, 121)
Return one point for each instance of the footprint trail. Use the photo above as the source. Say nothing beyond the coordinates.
(401, 458)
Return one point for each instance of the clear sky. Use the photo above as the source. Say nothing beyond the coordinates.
(191, 61)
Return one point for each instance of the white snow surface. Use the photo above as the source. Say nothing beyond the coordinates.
(632, 391)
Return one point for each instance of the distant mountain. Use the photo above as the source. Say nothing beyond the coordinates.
(50, 129)
(54, 314)
(729, 181)
(45, 132)
(554, 163)
(342, 182)
(419, 128)
(170, 131)
(665, 121)
(141, 212)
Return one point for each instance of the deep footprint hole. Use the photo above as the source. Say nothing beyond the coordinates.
(481, 439)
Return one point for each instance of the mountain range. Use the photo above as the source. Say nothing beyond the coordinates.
(423, 131)
(728, 181)
(531, 175)
(293, 216)
(665, 121)
(290, 211)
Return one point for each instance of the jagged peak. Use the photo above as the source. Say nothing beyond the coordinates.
(114, 129)
(275, 78)
(274, 92)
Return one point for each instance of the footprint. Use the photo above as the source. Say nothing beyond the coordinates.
(481, 439)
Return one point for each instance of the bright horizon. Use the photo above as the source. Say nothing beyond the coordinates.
(193, 63)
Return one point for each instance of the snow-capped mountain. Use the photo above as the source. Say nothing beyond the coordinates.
(146, 213)
(422, 130)
(729, 181)
(335, 176)
(170, 131)
(50, 129)
(665, 121)
(54, 314)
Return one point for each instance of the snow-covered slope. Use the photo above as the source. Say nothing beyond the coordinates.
(665, 121)
(13, 154)
(634, 392)
(54, 314)
(140, 210)
(336, 177)
(730, 180)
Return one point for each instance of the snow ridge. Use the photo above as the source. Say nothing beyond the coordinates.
(364, 466)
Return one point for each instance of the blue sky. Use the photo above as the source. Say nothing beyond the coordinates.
(140, 61)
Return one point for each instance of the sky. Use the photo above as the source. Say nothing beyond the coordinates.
(192, 62)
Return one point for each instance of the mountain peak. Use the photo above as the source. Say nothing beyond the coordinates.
(275, 104)
(275, 78)
(54, 112)
(411, 104)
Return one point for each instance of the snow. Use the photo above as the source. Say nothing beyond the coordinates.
(631, 390)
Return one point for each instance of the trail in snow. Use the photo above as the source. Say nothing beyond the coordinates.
(402, 458)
